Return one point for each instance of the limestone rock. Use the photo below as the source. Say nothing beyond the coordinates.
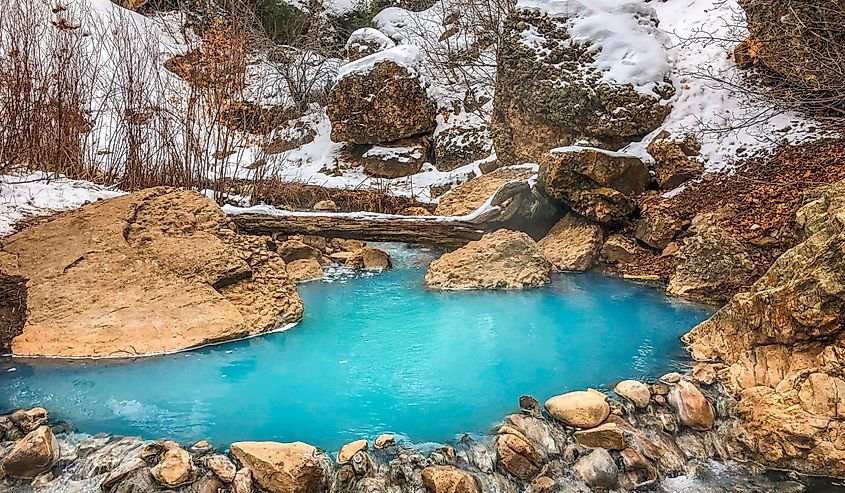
(579, 409)
(607, 436)
(395, 160)
(636, 392)
(175, 467)
(573, 244)
(369, 258)
(448, 479)
(597, 184)
(461, 143)
(468, 197)
(307, 269)
(325, 206)
(184, 277)
(657, 229)
(694, 410)
(221, 466)
(365, 42)
(500, 260)
(295, 249)
(709, 265)
(350, 449)
(243, 481)
(516, 455)
(549, 93)
(782, 341)
(117, 475)
(673, 160)
(29, 419)
(597, 469)
(32, 455)
(283, 467)
(795, 39)
(619, 250)
(384, 440)
(377, 100)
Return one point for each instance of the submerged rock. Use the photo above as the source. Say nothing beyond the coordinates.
(580, 409)
(284, 467)
(500, 260)
(384, 440)
(573, 244)
(184, 277)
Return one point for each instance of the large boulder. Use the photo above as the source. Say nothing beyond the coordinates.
(783, 341)
(468, 197)
(711, 264)
(156, 271)
(560, 80)
(284, 467)
(579, 409)
(694, 410)
(501, 260)
(573, 244)
(32, 455)
(597, 184)
(380, 99)
(803, 40)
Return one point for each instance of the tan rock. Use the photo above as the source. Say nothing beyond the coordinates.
(369, 258)
(711, 266)
(580, 409)
(243, 481)
(607, 436)
(573, 244)
(636, 392)
(673, 160)
(543, 484)
(283, 467)
(619, 250)
(325, 206)
(657, 229)
(501, 260)
(307, 269)
(595, 183)
(29, 419)
(156, 271)
(597, 469)
(516, 455)
(117, 474)
(468, 197)
(32, 455)
(448, 479)
(397, 159)
(221, 466)
(175, 467)
(704, 373)
(350, 449)
(384, 440)
(694, 410)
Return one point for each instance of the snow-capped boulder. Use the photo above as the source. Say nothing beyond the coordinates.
(367, 41)
(571, 70)
(402, 158)
(597, 184)
(381, 98)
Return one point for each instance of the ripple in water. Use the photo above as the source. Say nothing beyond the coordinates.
(375, 354)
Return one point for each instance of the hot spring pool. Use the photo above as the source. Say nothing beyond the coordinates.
(374, 354)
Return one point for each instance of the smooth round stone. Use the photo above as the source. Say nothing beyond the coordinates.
(580, 409)
(636, 392)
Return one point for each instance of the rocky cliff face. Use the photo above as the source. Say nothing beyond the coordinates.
(155, 271)
(784, 345)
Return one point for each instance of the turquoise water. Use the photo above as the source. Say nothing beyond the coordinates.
(374, 354)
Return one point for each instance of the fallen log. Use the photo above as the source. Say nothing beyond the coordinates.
(376, 227)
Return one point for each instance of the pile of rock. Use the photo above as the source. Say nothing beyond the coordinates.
(306, 256)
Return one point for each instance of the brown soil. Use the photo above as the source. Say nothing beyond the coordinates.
(756, 203)
(12, 309)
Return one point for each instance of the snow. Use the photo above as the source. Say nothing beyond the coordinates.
(623, 37)
(707, 108)
(400, 154)
(576, 148)
(366, 36)
(34, 194)
(407, 56)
